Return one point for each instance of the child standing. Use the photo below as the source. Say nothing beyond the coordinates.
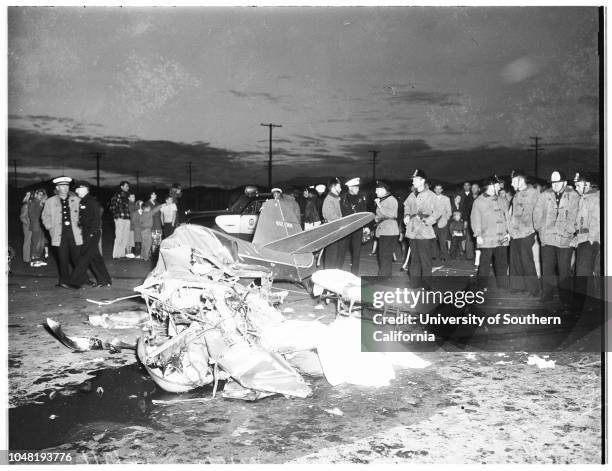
(145, 218)
(457, 231)
(168, 217)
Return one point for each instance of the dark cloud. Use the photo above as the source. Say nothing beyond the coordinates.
(424, 98)
(267, 96)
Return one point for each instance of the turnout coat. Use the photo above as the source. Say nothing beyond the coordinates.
(421, 212)
(490, 219)
(587, 219)
(521, 219)
(554, 222)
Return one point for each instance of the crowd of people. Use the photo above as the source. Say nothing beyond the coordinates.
(71, 223)
(536, 236)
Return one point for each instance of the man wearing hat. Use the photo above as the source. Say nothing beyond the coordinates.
(588, 228)
(320, 189)
(90, 214)
(387, 230)
(554, 217)
(421, 212)
(353, 202)
(489, 222)
(334, 253)
(61, 218)
(523, 276)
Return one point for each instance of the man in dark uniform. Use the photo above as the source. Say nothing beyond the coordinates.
(350, 203)
(90, 222)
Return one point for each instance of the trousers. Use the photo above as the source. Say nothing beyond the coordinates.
(556, 260)
(499, 255)
(441, 246)
(353, 243)
(147, 242)
(122, 237)
(386, 244)
(420, 257)
(90, 257)
(67, 253)
(523, 275)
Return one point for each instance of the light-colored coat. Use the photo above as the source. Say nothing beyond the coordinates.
(386, 217)
(521, 218)
(556, 224)
(490, 219)
(52, 219)
(444, 208)
(331, 208)
(420, 214)
(587, 219)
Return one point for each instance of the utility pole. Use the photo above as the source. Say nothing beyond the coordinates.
(537, 149)
(190, 174)
(373, 162)
(137, 181)
(15, 172)
(270, 126)
(97, 155)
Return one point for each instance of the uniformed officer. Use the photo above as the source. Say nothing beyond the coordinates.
(353, 202)
(587, 239)
(489, 222)
(421, 212)
(61, 218)
(387, 229)
(523, 276)
(554, 217)
(90, 214)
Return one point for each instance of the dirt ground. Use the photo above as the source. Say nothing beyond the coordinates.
(464, 408)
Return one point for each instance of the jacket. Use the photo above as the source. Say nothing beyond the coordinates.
(457, 226)
(90, 214)
(119, 205)
(489, 220)
(556, 223)
(35, 208)
(351, 204)
(420, 214)
(587, 219)
(331, 208)
(444, 208)
(386, 217)
(52, 219)
(521, 216)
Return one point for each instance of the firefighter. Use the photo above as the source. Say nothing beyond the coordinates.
(587, 239)
(489, 222)
(523, 275)
(554, 218)
(334, 253)
(353, 202)
(420, 214)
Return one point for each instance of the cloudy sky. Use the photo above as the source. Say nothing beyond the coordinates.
(455, 91)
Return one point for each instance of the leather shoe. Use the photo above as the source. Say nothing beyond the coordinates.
(92, 283)
(62, 285)
(103, 285)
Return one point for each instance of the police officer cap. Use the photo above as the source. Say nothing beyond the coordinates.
(518, 173)
(383, 184)
(62, 180)
(320, 188)
(82, 184)
(277, 190)
(419, 173)
(557, 177)
(353, 182)
(492, 180)
(334, 181)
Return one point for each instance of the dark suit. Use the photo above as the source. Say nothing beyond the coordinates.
(90, 214)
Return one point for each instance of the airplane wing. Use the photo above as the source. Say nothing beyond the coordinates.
(315, 239)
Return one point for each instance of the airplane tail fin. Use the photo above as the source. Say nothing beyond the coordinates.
(321, 236)
(278, 219)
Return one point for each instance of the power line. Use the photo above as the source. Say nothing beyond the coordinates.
(373, 161)
(270, 126)
(537, 149)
